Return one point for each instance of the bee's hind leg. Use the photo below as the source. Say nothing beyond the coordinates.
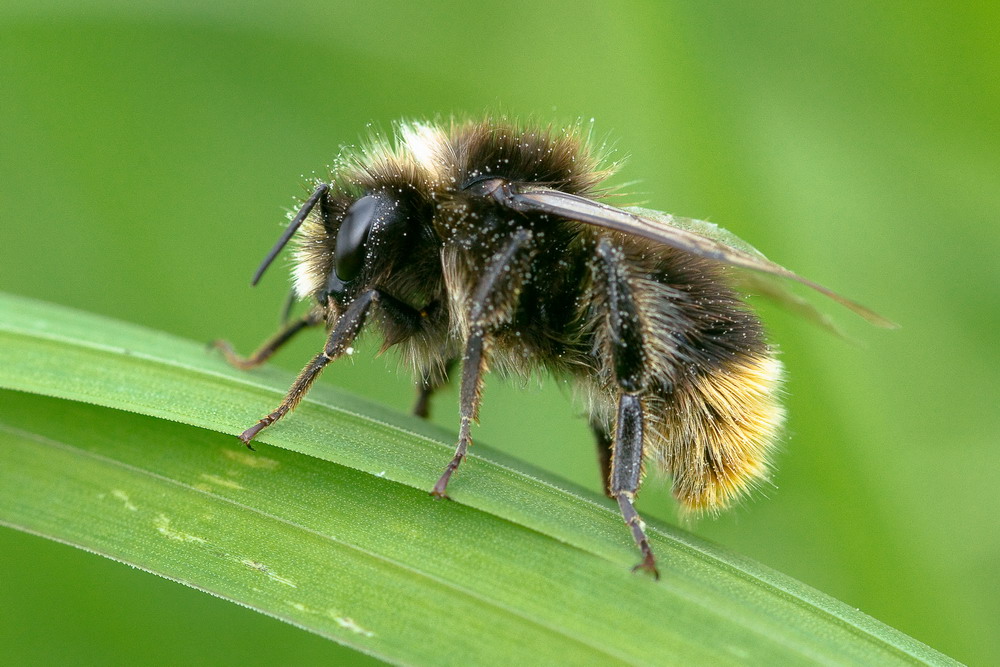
(604, 443)
(624, 336)
(626, 474)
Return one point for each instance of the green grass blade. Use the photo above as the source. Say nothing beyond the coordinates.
(333, 529)
(325, 547)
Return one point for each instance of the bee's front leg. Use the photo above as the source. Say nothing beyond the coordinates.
(344, 331)
(270, 346)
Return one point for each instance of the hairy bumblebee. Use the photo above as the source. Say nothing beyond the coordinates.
(489, 243)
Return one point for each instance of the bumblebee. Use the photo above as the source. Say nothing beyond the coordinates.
(492, 244)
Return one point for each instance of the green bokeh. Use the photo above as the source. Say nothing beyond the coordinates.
(148, 152)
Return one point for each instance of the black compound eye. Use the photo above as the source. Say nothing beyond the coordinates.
(349, 254)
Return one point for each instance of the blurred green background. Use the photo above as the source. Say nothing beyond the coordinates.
(149, 151)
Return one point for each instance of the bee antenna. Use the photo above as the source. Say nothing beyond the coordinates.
(290, 230)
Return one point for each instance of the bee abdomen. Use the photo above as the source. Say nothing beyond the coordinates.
(715, 433)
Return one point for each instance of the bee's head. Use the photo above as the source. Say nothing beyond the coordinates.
(368, 227)
(370, 243)
(365, 240)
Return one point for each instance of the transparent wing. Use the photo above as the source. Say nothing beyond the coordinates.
(697, 237)
(768, 286)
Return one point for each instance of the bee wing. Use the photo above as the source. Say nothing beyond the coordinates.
(766, 285)
(774, 290)
(673, 231)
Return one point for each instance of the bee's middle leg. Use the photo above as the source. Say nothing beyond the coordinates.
(430, 382)
(492, 303)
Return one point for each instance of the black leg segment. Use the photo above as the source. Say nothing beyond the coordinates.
(604, 441)
(430, 382)
(626, 465)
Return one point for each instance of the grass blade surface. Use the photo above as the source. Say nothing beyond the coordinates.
(333, 529)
